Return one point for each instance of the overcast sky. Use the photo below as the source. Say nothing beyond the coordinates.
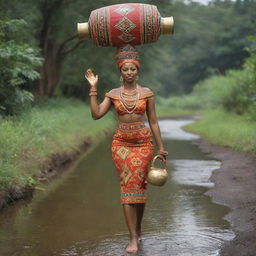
(201, 1)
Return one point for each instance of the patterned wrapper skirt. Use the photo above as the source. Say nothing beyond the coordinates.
(132, 152)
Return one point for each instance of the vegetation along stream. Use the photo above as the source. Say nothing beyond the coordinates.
(79, 214)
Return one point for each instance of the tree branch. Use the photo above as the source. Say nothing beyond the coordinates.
(62, 45)
(72, 48)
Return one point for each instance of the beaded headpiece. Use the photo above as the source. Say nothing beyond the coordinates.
(126, 54)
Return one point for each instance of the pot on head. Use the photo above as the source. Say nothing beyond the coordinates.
(122, 24)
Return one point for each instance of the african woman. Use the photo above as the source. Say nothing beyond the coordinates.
(132, 144)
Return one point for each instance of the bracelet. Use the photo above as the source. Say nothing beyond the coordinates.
(93, 94)
(91, 90)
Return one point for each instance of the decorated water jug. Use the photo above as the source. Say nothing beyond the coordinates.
(157, 176)
(121, 24)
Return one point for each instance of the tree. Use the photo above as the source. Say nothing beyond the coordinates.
(18, 61)
(208, 39)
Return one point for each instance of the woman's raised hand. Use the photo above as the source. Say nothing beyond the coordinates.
(91, 78)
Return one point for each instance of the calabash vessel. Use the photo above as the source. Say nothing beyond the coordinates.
(121, 24)
(157, 176)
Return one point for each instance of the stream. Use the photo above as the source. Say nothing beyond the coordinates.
(79, 213)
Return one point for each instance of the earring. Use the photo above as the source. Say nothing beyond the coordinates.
(121, 79)
(137, 78)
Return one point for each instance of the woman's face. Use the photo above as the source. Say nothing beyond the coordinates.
(129, 72)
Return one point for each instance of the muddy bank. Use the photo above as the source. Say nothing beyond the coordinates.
(235, 187)
(54, 165)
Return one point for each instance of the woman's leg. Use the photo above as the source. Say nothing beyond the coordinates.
(130, 216)
(139, 213)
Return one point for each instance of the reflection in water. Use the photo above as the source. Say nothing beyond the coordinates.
(194, 172)
(171, 129)
(82, 215)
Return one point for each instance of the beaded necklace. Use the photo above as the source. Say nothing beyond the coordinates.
(129, 108)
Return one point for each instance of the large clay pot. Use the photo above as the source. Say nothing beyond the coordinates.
(121, 24)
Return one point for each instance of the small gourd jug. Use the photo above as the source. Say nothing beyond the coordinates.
(157, 176)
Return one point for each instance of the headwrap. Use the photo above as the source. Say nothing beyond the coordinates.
(126, 54)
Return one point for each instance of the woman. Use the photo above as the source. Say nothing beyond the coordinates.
(132, 146)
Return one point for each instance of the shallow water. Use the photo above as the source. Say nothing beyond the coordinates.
(80, 213)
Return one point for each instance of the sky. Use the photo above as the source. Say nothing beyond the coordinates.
(201, 1)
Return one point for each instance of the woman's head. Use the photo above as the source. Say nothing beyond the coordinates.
(129, 72)
(127, 54)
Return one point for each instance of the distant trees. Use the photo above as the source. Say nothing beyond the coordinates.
(209, 39)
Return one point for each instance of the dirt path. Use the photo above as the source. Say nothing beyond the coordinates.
(235, 187)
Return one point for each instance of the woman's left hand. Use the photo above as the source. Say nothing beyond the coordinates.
(162, 155)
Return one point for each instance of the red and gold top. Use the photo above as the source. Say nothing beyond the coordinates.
(144, 94)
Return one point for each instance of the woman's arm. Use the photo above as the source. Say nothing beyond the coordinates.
(152, 118)
(97, 110)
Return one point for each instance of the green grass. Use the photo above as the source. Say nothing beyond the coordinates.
(167, 112)
(217, 125)
(56, 125)
(226, 129)
(177, 106)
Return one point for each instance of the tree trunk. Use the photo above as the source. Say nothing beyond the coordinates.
(53, 52)
(50, 71)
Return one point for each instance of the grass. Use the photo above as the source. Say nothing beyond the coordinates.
(61, 125)
(226, 129)
(217, 125)
(176, 106)
(56, 125)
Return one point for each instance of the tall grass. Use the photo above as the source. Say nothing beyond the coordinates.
(56, 125)
(212, 91)
(226, 129)
(217, 125)
(206, 94)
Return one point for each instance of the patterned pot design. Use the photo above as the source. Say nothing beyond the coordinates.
(121, 24)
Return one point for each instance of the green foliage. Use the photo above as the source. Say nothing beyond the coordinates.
(208, 39)
(54, 126)
(242, 98)
(208, 93)
(181, 102)
(18, 61)
(226, 129)
(211, 92)
(236, 91)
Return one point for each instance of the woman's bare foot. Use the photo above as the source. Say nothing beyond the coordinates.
(133, 245)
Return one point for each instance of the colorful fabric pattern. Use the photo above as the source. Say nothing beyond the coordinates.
(117, 25)
(132, 152)
(125, 54)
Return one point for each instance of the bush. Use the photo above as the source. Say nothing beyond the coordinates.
(206, 94)
(242, 98)
(211, 92)
(180, 102)
(18, 61)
